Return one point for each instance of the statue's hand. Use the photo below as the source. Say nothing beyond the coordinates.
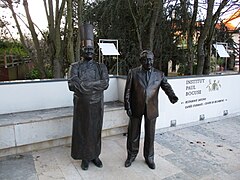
(129, 112)
(174, 99)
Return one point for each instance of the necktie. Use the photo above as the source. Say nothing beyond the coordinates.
(147, 75)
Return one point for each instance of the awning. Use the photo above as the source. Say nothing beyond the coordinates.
(221, 50)
(108, 49)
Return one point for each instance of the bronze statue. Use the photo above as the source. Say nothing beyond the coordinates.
(88, 79)
(141, 99)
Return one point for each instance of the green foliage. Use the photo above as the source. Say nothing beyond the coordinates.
(220, 61)
(12, 48)
(35, 74)
(181, 69)
(213, 63)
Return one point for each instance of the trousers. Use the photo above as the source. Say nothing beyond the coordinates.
(133, 138)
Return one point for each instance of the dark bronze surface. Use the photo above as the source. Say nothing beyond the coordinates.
(141, 99)
(87, 80)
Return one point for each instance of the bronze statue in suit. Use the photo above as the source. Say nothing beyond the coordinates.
(141, 99)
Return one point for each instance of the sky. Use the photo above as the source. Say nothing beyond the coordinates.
(37, 13)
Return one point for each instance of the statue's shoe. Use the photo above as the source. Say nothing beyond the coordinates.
(151, 164)
(97, 162)
(129, 161)
(84, 165)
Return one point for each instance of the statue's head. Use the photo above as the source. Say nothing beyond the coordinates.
(87, 41)
(146, 59)
(88, 53)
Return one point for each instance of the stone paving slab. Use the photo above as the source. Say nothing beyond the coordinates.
(18, 167)
(208, 151)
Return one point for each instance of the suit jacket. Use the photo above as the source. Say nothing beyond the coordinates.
(140, 94)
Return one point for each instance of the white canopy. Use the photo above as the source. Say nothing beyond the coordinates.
(221, 50)
(108, 49)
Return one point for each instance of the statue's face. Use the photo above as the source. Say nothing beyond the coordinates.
(147, 61)
(88, 53)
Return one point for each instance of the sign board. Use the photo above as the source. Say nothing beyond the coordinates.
(200, 98)
(221, 50)
(108, 49)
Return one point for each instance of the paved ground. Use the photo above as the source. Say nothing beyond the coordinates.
(204, 151)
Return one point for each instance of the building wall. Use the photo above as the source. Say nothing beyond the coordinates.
(207, 96)
(199, 97)
(18, 96)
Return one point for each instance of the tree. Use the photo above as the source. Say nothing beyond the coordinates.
(79, 12)
(5, 32)
(70, 52)
(9, 4)
(205, 38)
(112, 20)
(189, 27)
(54, 36)
(168, 28)
(145, 14)
(39, 59)
(38, 56)
(151, 25)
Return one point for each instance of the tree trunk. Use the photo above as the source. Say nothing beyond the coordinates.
(136, 26)
(207, 63)
(207, 32)
(155, 15)
(57, 61)
(203, 36)
(22, 39)
(78, 43)
(50, 18)
(190, 33)
(158, 40)
(39, 62)
(55, 35)
(208, 43)
(70, 52)
(9, 2)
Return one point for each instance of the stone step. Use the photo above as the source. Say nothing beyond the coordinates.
(34, 130)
